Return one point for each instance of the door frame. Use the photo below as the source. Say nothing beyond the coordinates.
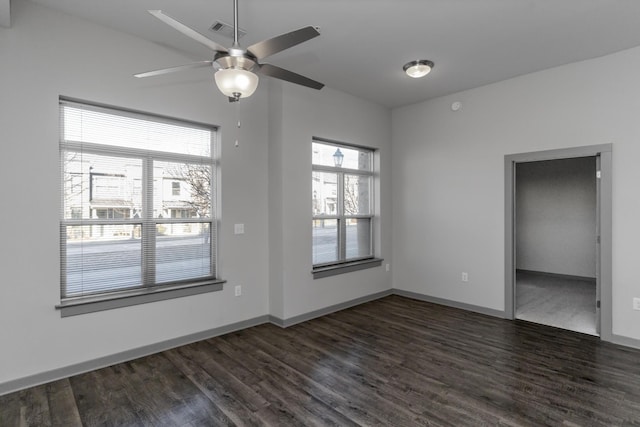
(604, 210)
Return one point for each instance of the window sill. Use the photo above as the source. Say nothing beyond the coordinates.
(345, 267)
(84, 305)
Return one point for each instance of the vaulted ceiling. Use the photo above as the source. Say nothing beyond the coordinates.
(364, 43)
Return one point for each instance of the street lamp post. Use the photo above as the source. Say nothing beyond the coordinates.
(338, 157)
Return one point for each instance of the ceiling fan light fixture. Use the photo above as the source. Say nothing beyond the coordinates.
(237, 68)
(236, 82)
(418, 68)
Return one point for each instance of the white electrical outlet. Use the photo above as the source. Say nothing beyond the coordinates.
(238, 290)
(238, 228)
(386, 267)
(465, 277)
(636, 303)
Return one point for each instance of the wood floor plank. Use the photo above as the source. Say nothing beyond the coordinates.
(334, 409)
(62, 404)
(10, 409)
(26, 408)
(393, 361)
(420, 390)
(233, 400)
(100, 398)
(156, 383)
(230, 373)
(344, 378)
(240, 373)
(276, 386)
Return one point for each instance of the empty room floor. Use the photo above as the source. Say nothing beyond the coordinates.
(390, 362)
(565, 303)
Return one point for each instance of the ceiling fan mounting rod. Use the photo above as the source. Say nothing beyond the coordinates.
(235, 23)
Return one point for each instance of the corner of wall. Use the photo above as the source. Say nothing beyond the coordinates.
(275, 176)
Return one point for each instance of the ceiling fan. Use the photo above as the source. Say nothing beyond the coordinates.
(236, 67)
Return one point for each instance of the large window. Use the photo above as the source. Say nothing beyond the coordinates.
(138, 209)
(342, 203)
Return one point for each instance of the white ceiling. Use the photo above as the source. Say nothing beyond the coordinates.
(364, 43)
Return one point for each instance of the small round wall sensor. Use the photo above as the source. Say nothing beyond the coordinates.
(456, 106)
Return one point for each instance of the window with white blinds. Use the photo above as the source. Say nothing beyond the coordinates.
(138, 195)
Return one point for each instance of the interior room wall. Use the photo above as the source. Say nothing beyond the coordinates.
(448, 175)
(556, 216)
(302, 114)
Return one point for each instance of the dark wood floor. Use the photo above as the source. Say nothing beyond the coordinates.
(394, 361)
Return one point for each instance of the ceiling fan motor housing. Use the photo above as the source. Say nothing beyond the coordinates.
(233, 60)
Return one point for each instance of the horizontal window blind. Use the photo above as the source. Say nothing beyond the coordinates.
(137, 200)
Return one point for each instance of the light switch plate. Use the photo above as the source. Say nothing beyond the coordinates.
(238, 229)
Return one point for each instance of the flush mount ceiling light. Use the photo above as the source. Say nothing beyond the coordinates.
(236, 68)
(418, 68)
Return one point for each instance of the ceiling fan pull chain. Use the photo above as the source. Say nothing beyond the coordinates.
(237, 124)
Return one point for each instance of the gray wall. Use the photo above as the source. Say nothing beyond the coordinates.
(556, 216)
(448, 176)
(297, 118)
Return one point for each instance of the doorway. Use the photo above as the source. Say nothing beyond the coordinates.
(556, 243)
(558, 272)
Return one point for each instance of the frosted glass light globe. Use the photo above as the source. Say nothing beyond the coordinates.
(232, 81)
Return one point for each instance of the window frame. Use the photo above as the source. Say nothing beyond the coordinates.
(344, 264)
(176, 188)
(149, 290)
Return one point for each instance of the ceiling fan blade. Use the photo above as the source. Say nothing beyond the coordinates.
(290, 76)
(189, 32)
(174, 69)
(284, 41)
